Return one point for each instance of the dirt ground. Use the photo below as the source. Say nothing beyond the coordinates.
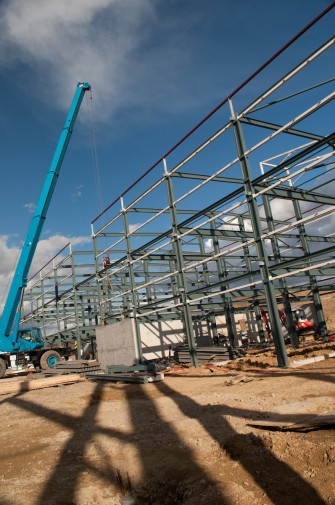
(185, 440)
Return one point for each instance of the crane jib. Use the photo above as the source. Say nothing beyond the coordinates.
(9, 322)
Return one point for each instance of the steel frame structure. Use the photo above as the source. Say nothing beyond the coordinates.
(60, 301)
(228, 222)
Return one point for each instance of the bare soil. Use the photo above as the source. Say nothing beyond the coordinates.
(186, 440)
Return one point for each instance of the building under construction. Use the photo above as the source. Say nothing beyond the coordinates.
(233, 223)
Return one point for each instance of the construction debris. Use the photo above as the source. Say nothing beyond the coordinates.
(313, 359)
(300, 422)
(238, 379)
(126, 489)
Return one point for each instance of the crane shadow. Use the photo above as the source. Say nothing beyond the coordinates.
(166, 461)
(169, 462)
(164, 465)
(61, 485)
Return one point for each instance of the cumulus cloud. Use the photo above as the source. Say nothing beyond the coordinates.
(8, 255)
(30, 207)
(229, 224)
(134, 227)
(104, 42)
(46, 249)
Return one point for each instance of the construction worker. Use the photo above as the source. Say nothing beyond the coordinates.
(106, 262)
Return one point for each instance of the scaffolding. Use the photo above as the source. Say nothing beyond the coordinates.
(237, 218)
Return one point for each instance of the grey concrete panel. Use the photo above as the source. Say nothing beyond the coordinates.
(116, 344)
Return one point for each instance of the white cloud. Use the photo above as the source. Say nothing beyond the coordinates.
(30, 207)
(134, 227)
(228, 224)
(104, 42)
(281, 209)
(46, 249)
(8, 256)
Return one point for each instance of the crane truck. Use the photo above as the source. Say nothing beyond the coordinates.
(20, 344)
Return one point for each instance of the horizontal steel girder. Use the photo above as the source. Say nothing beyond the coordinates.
(295, 194)
(276, 127)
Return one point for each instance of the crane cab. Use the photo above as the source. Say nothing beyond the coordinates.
(30, 339)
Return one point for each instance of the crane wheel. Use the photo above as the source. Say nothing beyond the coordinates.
(49, 359)
(2, 368)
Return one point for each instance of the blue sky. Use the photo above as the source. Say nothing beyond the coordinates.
(157, 67)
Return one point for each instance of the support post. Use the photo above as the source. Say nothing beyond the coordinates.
(99, 284)
(261, 252)
(132, 283)
(226, 300)
(181, 281)
(282, 282)
(321, 320)
(211, 319)
(248, 264)
(75, 302)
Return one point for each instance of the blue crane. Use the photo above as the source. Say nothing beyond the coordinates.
(12, 339)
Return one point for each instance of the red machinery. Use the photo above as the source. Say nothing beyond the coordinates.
(301, 323)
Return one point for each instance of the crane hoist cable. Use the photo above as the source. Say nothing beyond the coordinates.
(95, 161)
(97, 179)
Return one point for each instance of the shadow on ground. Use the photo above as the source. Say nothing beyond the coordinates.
(171, 473)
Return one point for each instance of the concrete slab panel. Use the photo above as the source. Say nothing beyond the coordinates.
(116, 344)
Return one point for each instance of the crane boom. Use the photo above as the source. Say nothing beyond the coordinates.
(12, 310)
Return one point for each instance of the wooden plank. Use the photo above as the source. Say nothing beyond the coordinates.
(31, 384)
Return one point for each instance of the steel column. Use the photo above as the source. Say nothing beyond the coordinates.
(132, 283)
(181, 281)
(262, 255)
